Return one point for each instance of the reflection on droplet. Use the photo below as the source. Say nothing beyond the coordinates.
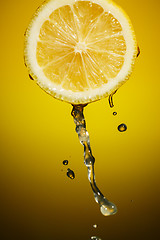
(95, 225)
(70, 174)
(114, 113)
(108, 208)
(95, 238)
(122, 127)
(65, 162)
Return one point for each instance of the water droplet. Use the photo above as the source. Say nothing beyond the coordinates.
(70, 174)
(95, 238)
(95, 225)
(107, 208)
(110, 99)
(65, 162)
(122, 127)
(114, 113)
(25, 63)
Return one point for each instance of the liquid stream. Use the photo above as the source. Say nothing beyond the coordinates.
(106, 207)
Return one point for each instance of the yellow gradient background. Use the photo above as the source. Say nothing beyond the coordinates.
(38, 201)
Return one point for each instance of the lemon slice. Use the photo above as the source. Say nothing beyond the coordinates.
(80, 51)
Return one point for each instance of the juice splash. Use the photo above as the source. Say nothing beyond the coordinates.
(80, 52)
(106, 207)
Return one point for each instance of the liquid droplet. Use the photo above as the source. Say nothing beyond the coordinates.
(138, 51)
(95, 238)
(111, 104)
(65, 162)
(95, 225)
(122, 127)
(108, 208)
(114, 113)
(25, 63)
(70, 174)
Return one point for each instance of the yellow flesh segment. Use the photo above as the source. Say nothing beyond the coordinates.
(81, 46)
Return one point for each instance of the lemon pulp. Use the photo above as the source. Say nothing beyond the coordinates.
(83, 50)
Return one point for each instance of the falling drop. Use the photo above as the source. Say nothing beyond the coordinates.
(95, 225)
(110, 99)
(114, 113)
(108, 208)
(122, 127)
(65, 162)
(138, 51)
(95, 238)
(70, 174)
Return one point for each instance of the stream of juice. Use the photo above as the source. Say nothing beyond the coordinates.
(106, 207)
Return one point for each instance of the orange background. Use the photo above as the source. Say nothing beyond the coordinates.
(38, 133)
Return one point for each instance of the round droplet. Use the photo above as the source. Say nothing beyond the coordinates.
(95, 225)
(65, 162)
(70, 174)
(122, 127)
(95, 238)
(108, 208)
(114, 113)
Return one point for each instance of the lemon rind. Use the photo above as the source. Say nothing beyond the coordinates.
(93, 94)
